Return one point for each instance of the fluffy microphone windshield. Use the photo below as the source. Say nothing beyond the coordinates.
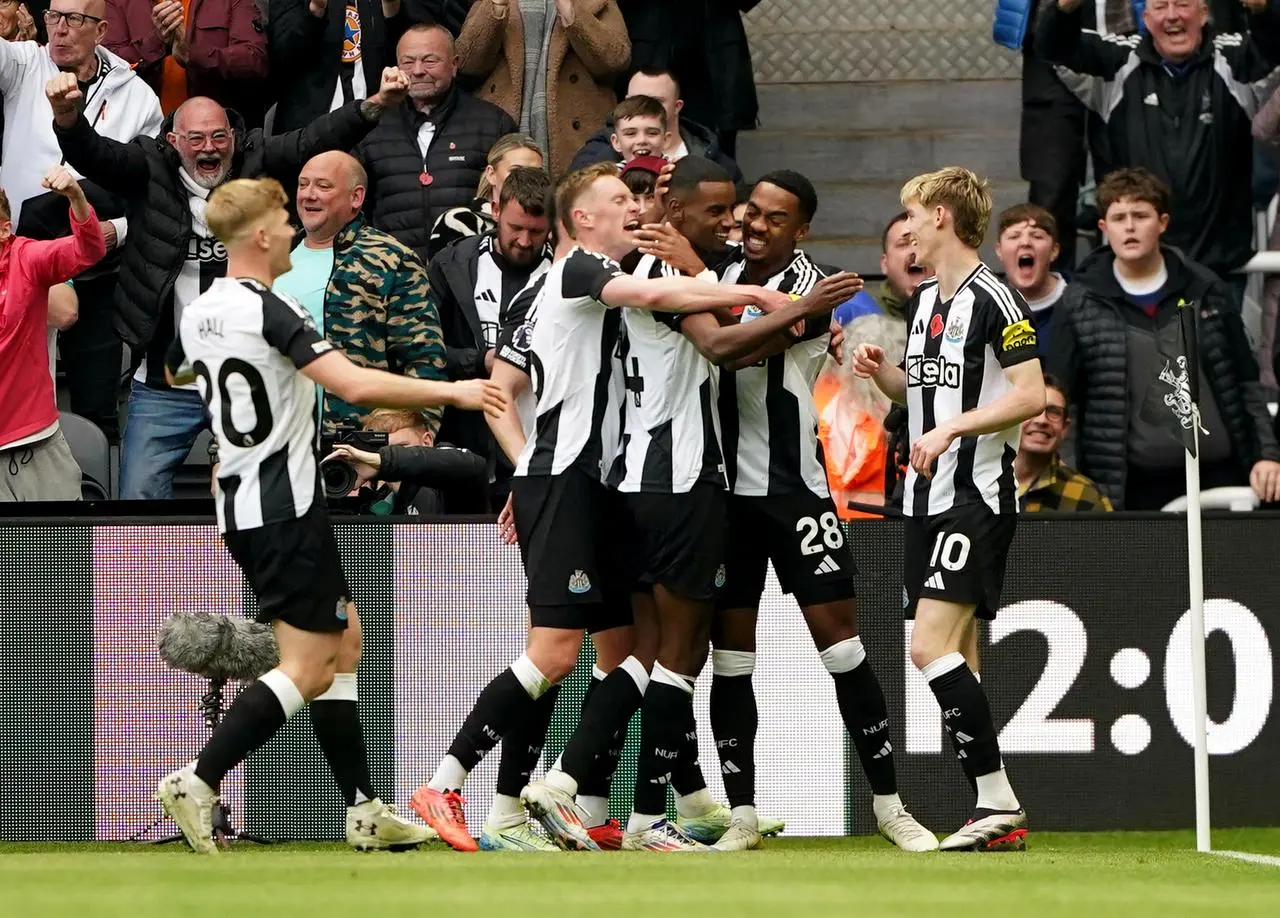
(217, 646)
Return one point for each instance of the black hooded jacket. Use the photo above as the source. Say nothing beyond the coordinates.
(1089, 353)
(144, 173)
(1188, 124)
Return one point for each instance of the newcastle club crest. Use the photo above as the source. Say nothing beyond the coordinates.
(1179, 400)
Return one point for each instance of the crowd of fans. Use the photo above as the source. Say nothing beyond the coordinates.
(422, 138)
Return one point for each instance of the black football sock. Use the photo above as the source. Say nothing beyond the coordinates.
(335, 715)
(522, 745)
(966, 714)
(734, 720)
(863, 710)
(664, 720)
(258, 712)
(510, 697)
(599, 777)
(613, 703)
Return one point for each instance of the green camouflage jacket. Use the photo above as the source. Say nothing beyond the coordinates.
(379, 310)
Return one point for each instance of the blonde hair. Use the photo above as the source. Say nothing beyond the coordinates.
(391, 420)
(5, 212)
(234, 208)
(574, 185)
(504, 145)
(961, 192)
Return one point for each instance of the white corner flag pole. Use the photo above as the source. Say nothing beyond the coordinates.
(1199, 691)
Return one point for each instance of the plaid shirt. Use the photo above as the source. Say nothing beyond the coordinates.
(1062, 489)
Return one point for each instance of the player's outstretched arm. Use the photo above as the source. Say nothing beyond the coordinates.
(506, 427)
(372, 388)
(686, 294)
(725, 344)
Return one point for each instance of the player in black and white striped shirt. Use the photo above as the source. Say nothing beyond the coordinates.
(970, 377)
(256, 358)
(575, 567)
(672, 478)
(781, 511)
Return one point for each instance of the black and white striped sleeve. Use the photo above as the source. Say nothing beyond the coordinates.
(288, 328)
(1006, 322)
(515, 338)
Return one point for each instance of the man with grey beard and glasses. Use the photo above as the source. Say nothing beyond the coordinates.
(170, 257)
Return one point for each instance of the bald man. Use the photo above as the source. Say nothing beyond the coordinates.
(172, 257)
(364, 289)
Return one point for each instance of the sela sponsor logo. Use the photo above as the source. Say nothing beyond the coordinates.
(932, 372)
(579, 582)
(1019, 334)
(205, 248)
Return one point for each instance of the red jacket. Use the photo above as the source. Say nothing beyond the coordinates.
(228, 50)
(28, 268)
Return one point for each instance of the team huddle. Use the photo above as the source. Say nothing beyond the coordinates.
(671, 456)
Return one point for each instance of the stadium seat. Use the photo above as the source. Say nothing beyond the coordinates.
(1239, 499)
(92, 453)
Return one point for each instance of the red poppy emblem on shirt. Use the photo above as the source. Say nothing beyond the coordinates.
(935, 326)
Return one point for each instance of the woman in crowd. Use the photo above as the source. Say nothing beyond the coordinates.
(550, 64)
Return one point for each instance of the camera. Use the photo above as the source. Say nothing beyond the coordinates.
(338, 475)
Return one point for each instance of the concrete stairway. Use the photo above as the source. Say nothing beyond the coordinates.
(857, 142)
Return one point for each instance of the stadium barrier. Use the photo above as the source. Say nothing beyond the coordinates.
(1087, 666)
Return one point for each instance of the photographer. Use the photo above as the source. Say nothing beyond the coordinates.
(420, 478)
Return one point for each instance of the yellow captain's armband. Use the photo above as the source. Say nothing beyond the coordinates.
(1018, 335)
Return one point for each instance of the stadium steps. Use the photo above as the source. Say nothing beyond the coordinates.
(858, 141)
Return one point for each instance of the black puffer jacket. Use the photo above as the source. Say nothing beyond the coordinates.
(1089, 354)
(397, 200)
(144, 172)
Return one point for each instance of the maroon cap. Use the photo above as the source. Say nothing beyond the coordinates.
(652, 164)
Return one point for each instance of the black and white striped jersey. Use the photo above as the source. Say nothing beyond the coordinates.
(955, 359)
(568, 341)
(245, 345)
(669, 436)
(768, 419)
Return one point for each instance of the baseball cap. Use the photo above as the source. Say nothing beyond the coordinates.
(652, 164)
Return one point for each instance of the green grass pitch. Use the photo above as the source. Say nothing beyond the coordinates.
(1128, 874)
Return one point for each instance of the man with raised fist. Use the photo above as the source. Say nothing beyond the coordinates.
(118, 105)
(173, 257)
(35, 460)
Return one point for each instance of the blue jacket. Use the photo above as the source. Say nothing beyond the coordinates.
(1009, 27)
